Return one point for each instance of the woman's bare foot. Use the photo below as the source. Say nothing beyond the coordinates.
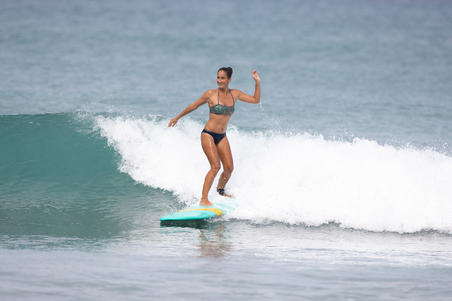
(205, 202)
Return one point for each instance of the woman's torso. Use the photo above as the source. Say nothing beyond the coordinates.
(221, 107)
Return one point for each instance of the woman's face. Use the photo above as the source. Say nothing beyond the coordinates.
(222, 79)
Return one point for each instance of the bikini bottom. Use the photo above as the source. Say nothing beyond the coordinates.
(216, 137)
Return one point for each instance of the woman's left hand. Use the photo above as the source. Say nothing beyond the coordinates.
(256, 76)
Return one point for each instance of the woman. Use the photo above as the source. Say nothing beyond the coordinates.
(213, 137)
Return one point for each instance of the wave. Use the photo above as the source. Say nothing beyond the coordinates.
(101, 175)
(59, 177)
(294, 178)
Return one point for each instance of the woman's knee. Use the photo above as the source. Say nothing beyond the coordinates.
(228, 168)
(215, 167)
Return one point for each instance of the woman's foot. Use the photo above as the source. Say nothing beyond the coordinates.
(205, 202)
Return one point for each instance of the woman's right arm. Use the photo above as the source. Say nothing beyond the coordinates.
(204, 99)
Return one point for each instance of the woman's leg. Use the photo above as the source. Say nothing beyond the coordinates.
(210, 149)
(224, 151)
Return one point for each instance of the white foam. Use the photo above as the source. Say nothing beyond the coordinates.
(295, 178)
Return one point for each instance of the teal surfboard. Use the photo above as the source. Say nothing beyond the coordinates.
(197, 213)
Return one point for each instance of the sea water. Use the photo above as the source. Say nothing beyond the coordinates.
(343, 172)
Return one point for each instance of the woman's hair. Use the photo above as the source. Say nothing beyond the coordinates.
(228, 71)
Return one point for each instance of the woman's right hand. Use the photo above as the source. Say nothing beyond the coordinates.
(173, 122)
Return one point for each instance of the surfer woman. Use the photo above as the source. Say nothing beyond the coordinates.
(213, 137)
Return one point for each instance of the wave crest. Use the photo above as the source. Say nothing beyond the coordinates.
(297, 178)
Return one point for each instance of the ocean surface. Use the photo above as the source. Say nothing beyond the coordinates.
(343, 172)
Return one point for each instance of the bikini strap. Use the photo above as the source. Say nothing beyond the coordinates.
(233, 100)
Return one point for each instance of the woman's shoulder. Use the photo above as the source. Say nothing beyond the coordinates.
(210, 92)
(235, 92)
(208, 95)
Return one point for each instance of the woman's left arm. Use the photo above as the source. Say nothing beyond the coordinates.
(256, 98)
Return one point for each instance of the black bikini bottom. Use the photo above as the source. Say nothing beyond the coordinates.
(216, 137)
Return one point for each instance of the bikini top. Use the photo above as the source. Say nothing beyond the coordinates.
(221, 109)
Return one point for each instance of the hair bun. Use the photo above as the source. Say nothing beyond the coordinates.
(228, 71)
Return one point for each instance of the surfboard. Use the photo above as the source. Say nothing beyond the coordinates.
(197, 213)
